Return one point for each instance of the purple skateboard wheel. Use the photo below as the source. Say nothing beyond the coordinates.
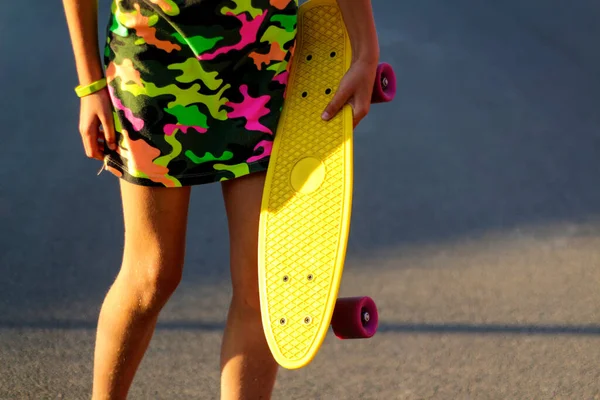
(355, 318)
(385, 84)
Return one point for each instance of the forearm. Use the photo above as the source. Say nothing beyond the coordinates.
(360, 23)
(82, 19)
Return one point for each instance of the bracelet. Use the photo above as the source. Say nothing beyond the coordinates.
(91, 88)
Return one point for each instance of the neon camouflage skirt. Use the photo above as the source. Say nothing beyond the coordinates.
(197, 87)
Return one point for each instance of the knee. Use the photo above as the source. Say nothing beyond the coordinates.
(153, 280)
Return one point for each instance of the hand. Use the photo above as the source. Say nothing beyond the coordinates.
(96, 124)
(356, 89)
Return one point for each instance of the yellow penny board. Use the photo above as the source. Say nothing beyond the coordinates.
(305, 215)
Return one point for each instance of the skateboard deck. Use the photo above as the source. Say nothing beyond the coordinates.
(305, 215)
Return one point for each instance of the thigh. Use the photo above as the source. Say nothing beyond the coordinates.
(155, 222)
(242, 201)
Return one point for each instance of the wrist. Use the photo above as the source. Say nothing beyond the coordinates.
(368, 56)
(91, 88)
(366, 48)
(88, 79)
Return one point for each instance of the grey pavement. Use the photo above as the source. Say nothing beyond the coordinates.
(476, 222)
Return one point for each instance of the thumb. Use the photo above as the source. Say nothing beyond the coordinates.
(108, 127)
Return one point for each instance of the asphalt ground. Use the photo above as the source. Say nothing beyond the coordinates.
(476, 219)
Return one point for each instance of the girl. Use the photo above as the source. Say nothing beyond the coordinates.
(190, 93)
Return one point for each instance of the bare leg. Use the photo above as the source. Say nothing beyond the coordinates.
(155, 229)
(248, 370)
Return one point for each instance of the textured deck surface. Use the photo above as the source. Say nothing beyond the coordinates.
(306, 206)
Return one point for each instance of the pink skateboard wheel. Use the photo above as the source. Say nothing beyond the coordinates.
(355, 318)
(385, 84)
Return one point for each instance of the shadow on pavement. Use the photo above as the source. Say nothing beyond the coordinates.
(404, 328)
(494, 329)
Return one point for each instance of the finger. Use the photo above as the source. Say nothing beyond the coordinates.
(360, 109)
(89, 136)
(83, 131)
(108, 128)
(97, 145)
(93, 147)
(340, 98)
